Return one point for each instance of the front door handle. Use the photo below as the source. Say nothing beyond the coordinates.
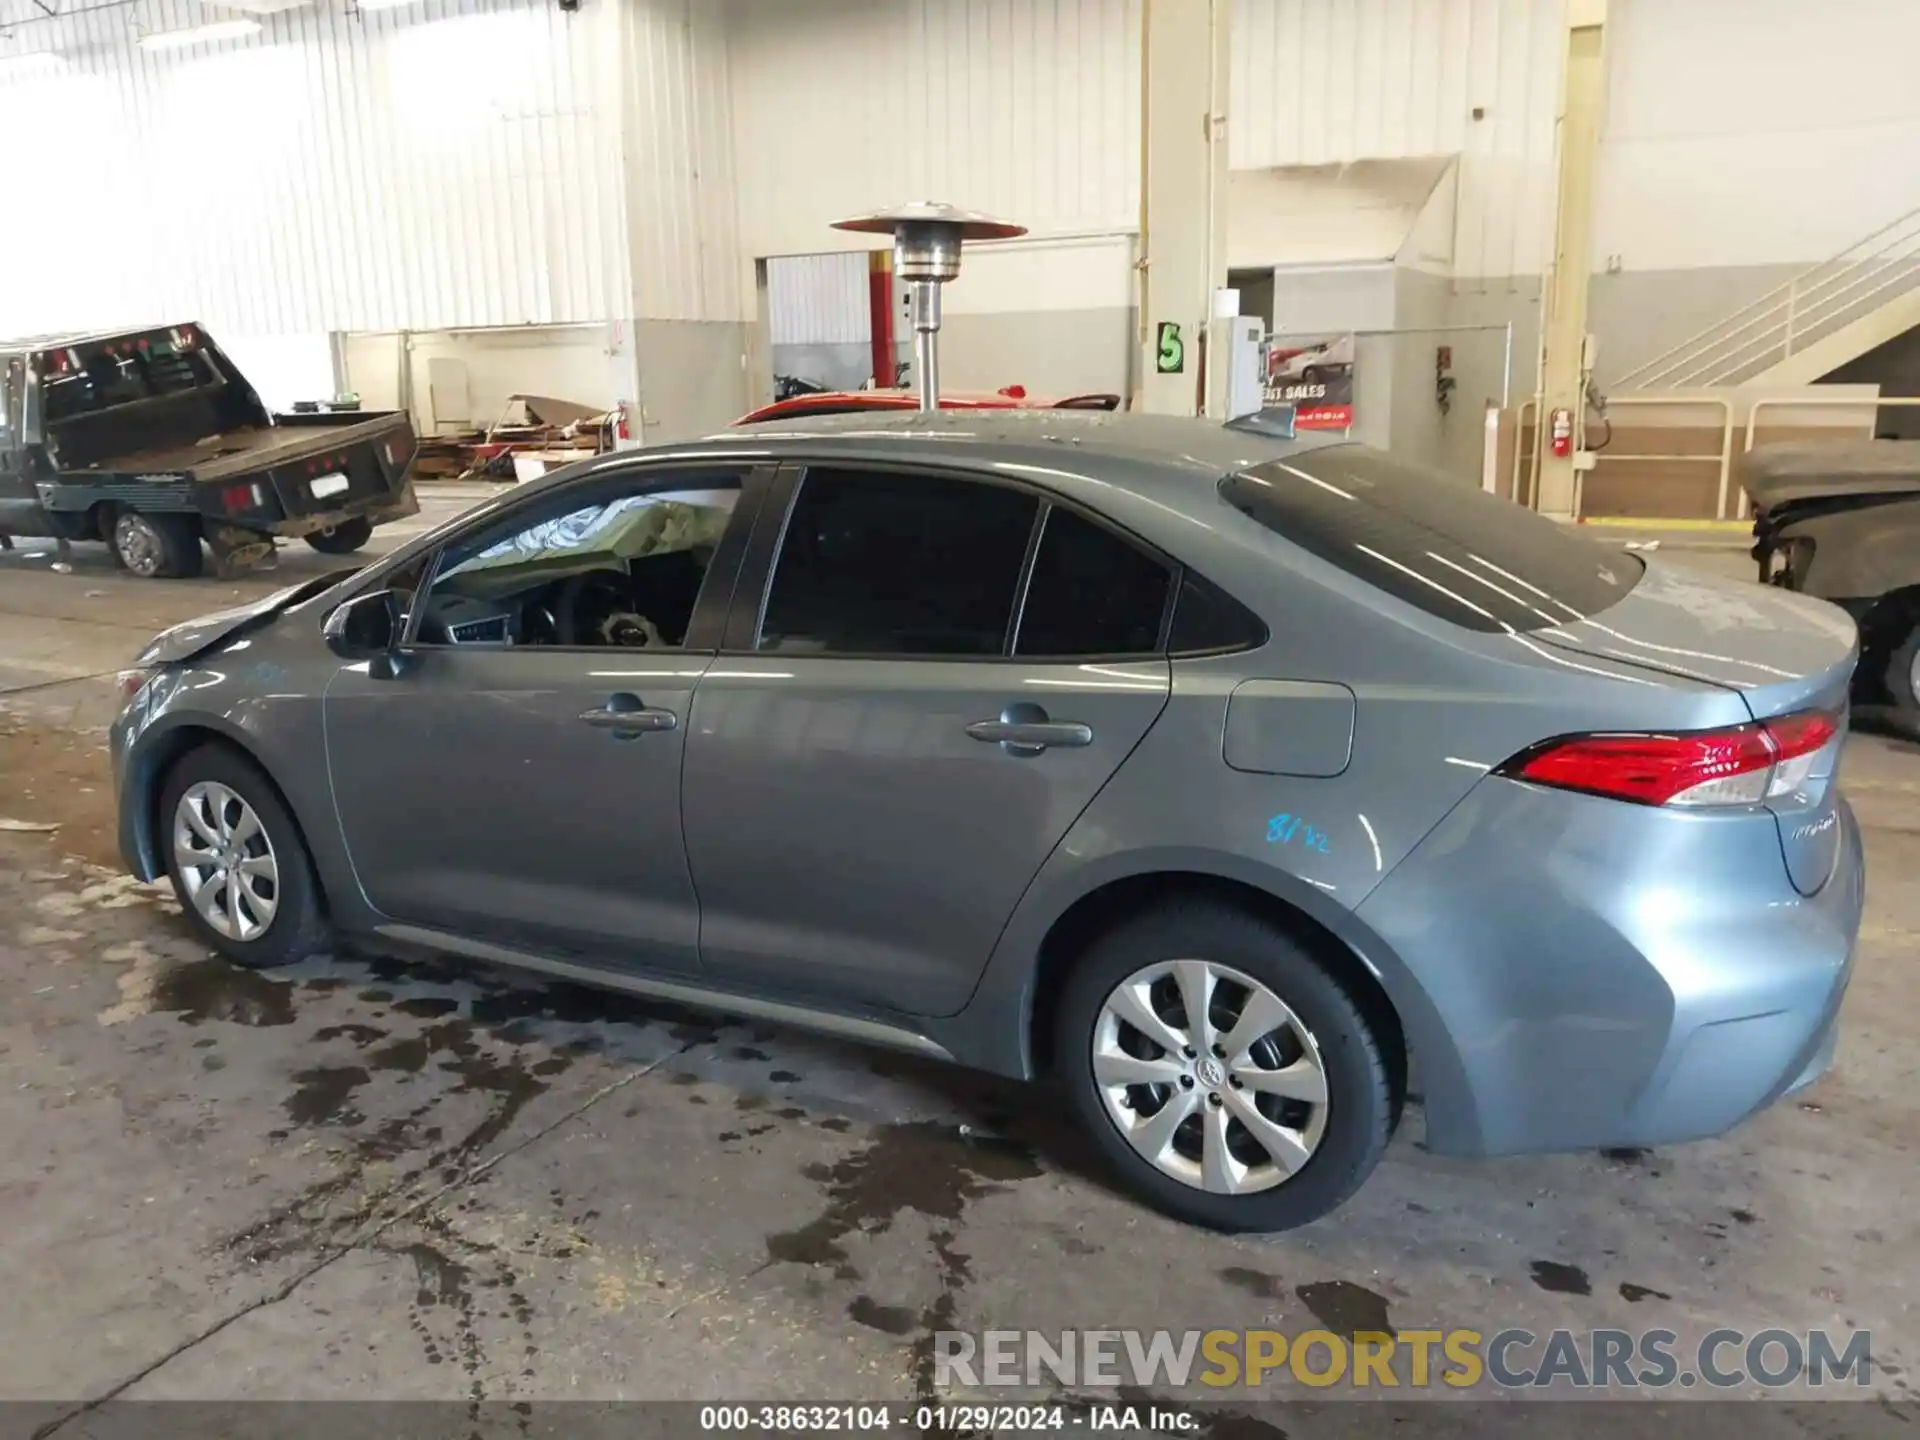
(1027, 729)
(627, 717)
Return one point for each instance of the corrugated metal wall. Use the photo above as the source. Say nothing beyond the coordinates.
(688, 264)
(1327, 82)
(819, 299)
(501, 162)
(447, 163)
(1029, 108)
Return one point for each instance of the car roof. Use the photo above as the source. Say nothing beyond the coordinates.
(890, 399)
(1144, 454)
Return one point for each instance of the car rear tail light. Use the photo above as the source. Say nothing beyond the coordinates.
(1741, 765)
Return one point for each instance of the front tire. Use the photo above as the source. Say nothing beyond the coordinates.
(237, 860)
(157, 547)
(344, 538)
(1265, 1116)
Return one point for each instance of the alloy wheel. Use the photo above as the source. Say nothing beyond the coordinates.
(1210, 1076)
(139, 545)
(226, 862)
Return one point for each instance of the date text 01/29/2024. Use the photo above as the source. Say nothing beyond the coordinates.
(959, 1418)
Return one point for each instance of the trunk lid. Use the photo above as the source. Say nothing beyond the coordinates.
(1781, 652)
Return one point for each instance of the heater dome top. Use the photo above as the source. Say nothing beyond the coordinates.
(971, 224)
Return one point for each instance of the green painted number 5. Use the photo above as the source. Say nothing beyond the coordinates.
(1173, 350)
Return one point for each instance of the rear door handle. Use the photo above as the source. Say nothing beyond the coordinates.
(1027, 729)
(627, 717)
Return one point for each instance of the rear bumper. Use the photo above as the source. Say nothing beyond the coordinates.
(1599, 974)
(379, 509)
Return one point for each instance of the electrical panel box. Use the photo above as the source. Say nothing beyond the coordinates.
(1246, 366)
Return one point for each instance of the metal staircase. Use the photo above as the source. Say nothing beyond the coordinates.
(1823, 317)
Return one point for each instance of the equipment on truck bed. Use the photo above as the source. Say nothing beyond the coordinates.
(1842, 521)
(153, 441)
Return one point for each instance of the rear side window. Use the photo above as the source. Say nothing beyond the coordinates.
(885, 564)
(1207, 620)
(1092, 593)
(1453, 551)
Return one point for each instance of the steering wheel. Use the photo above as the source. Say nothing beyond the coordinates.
(593, 608)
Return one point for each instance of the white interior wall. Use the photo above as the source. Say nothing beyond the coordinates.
(284, 368)
(1029, 110)
(677, 100)
(567, 362)
(1330, 82)
(1029, 276)
(1327, 214)
(651, 148)
(374, 169)
(819, 299)
(1767, 133)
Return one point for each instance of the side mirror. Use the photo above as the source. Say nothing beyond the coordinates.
(368, 627)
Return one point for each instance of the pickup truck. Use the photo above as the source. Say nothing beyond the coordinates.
(153, 441)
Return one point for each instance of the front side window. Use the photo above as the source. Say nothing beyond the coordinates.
(876, 563)
(1092, 592)
(622, 570)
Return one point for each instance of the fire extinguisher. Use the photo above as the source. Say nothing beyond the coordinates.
(621, 431)
(1560, 433)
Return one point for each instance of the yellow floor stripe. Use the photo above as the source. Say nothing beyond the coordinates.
(1627, 522)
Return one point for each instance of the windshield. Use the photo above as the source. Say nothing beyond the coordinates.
(1423, 537)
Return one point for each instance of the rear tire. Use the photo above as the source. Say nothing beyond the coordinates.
(156, 547)
(1284, 1122)
(237, 860)
(344, 538)
(1902, 675)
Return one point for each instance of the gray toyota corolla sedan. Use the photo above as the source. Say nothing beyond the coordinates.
(1220, 777)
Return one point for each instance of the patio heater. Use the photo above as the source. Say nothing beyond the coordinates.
(926, 254)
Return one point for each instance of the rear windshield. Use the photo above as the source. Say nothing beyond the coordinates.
(1454, 551)
(104, 381)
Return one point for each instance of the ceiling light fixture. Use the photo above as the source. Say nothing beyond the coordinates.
(199, 35)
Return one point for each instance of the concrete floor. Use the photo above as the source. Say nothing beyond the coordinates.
(365, 1179)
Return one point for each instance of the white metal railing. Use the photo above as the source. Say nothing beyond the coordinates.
(1809, 307)
(1526, 463)
(1527, 457)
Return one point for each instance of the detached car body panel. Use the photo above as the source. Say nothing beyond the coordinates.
(1285, 674)
(1841, 521)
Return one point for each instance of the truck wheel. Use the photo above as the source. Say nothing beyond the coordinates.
(344, 538)
(157, 547)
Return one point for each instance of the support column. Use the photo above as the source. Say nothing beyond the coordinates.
(1183, 204)
(1563, 317)
(880, 317)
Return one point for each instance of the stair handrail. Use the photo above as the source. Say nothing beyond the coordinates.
(1806, 321)
(1653, 369)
